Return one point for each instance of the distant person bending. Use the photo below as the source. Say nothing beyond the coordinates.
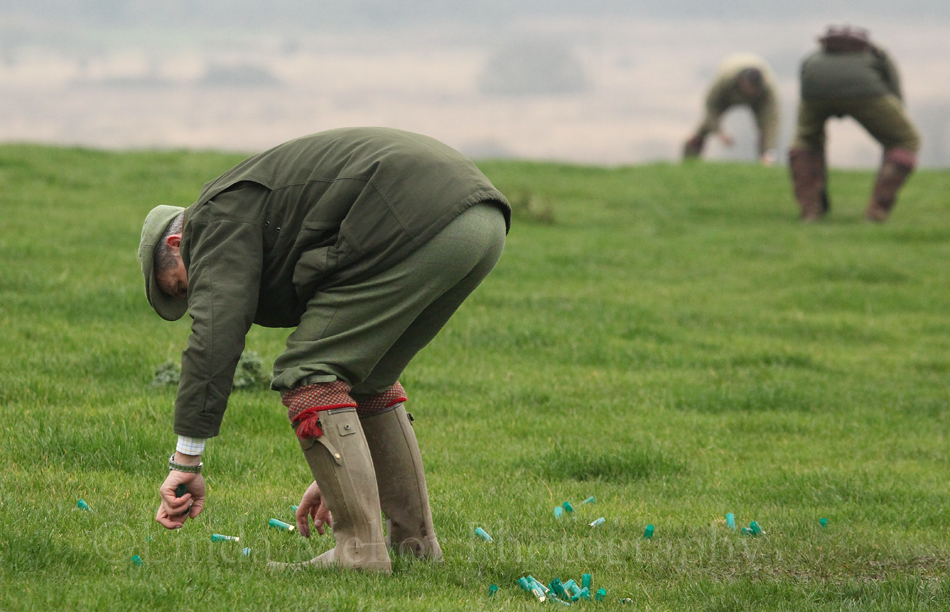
(742, 80)
(366, 241)
(849, 75)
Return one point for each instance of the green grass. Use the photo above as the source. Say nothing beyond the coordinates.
(674, 343)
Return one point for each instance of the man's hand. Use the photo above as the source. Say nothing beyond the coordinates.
(726, 139)
(313, 505)
(174, 511)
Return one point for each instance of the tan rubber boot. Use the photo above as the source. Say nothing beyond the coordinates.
(342, 466)
(896, 167)
(402, 483)
(809, 182)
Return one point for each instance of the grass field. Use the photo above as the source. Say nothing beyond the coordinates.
(675, 343)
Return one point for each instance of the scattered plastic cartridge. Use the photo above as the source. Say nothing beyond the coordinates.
(538, 592)
(601, 594)
(83, 505)
(492, 590)
(483, 534)
(558, 589)
(598, 522)
(532, 586)
(731, 520)
(558, 512)
(137, 560)
(586, 581)
(217, 537)
(590, 500)
(280, 525)
(824, 522)
(536, 582)
(568, 507)
(756, 530)
(648, 532)
(581, 594)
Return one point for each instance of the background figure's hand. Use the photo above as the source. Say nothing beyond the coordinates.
(694, 146)
(174, 511)
(313, 505)
(726, 139)
(767, 158)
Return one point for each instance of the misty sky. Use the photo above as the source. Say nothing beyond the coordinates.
(600, 81)
(316, 14)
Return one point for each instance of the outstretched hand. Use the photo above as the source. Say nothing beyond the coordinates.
(174, 510)
(314, 506)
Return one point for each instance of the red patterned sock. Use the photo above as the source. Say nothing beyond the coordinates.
(381, 401)
(305, 403)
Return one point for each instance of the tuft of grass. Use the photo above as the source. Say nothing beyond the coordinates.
(168, 373)
(251, 372)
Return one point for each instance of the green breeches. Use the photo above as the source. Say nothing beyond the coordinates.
(883, 117)
(366, 333)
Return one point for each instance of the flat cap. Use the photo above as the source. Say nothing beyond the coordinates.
(168, 307)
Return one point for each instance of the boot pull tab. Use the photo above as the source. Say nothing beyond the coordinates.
(411, 420)
(333, 451)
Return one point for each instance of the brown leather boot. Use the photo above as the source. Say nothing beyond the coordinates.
(809, 180)
(896, 167)
(342, 466)
(402, 483)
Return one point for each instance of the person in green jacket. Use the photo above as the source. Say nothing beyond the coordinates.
(366, 241)
(850, 75)
(741, 80)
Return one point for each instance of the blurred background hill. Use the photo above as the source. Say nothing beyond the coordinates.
(605, 82)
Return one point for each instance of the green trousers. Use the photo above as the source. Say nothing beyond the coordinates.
(365, 334)
(883, 117)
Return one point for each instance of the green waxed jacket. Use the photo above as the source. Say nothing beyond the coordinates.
(861, 74)
(316, 212)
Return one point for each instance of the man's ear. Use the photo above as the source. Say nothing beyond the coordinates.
(174, 241)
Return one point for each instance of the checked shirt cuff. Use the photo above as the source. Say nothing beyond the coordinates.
(190, 446)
